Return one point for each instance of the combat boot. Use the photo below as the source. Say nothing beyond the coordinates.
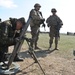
(50, 47)
(56, 48)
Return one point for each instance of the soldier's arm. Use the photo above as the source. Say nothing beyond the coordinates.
(48, 20)
(60, 22)
(34, 15)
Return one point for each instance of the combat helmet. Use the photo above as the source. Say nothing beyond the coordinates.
(53, 10)
(37, 5)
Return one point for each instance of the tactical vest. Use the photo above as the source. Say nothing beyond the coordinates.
(35, 17)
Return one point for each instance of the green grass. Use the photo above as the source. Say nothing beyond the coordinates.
(66, 44)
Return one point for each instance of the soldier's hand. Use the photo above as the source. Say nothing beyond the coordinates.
(48, 25)
(42, 20)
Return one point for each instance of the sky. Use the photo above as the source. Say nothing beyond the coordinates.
(21, 8)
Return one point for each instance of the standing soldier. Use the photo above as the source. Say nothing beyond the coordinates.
(54, 23)
(36, 20)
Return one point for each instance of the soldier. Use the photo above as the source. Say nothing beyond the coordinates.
(36, 20)
(17, 26)
(9, 32)
(54, 23)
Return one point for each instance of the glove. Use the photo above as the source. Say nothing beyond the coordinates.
(42, 20)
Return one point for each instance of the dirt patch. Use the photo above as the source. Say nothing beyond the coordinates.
(51, 64)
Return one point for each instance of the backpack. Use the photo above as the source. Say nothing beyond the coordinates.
(5, 31)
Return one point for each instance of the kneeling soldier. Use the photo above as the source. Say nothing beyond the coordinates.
(9, 31)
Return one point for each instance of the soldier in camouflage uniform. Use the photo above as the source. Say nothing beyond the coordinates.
(9, 32)
(54, 23)
(36, 21)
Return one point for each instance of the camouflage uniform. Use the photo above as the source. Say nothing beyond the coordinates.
(5, 29)
(35, 23)
(8, 35)
(54, 23)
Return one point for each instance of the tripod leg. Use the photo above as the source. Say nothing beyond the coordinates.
(32, 54)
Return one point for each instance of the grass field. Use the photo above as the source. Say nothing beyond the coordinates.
(58, 62)
(66, 44)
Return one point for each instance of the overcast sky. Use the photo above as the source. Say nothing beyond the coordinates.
(21, 8)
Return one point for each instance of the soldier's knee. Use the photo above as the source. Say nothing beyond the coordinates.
(1, 55)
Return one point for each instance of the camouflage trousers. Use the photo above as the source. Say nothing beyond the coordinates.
(35, 35)
(3, 50)
(53, 34)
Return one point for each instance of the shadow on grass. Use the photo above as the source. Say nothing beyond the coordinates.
(40, 53)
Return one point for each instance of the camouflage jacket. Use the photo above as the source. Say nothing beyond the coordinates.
(7, 34)
(54, 21)
(35, 17)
